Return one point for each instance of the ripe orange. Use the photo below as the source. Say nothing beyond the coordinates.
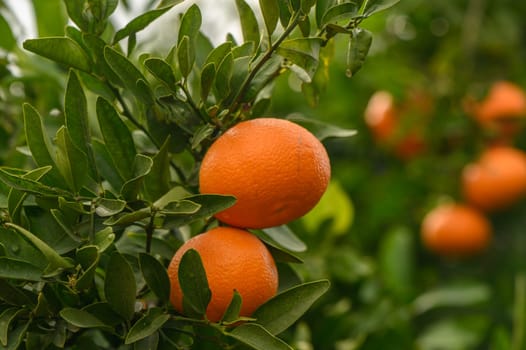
(233, 259)
(502, 110)
(275, 168)
(455, 230)
(496, 180)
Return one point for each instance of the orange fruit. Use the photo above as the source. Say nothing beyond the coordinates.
(455, 230)
(275, 168)
(497, 180)
(395, 127)
(233, 259)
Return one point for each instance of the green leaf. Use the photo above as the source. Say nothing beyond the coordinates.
(202, 134)
(71, 161)
(340, 12)
(62, 50)
(129, 218)
(30, 186)
(233, 309)
(50, 25)
(190, 24)
(284, 236)
(139, 23)
(280, 312)
(162, 71)
(320, 129)
(257, 337)
(88, 257)
(374, 6)
(16, 197)
(18, 269)
(117, 137)
(218, 54)
(193, 282)
(55, 261)
(80, 318)
(108, 207)
(209, 205)
(76, 113)
(96, 47)
(141, 168)
(270, 10)
(39, 143)
(168, 3)
(223, 77)
(146, 325)
(207, 79)
(16, 336)
(185, 56)
(155, 276)
(249, 23)
(303, 52)
(106, 166)
(359, 45)
(157, 181)
(452, 296)
(6, 317)
(7, 39)
(130, 76)
(119, 286)
(104, 238)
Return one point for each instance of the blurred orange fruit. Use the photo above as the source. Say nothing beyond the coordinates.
(497, 179)
(233, 259)
(455, 230)
(276, 169)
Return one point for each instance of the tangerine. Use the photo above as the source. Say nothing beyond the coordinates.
(497, 180)
(275, 168)
(233, 259)
(455, 230)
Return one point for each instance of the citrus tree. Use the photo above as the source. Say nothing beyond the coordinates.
(101, 149)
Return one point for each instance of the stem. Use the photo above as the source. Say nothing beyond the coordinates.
(261, 62)
(191, 102)
(149, 232)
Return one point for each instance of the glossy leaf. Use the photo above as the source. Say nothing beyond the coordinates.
(193, 282)
(7, 39)
(209, 205)
(284, 236)
(30, 186)
(62, 50)
(18, 269)
(270, 10)
(55, 261)
(141, 168)
(120, 286)
(374, 6)
(170, 3)
(104, 238)
(340, 12)
(39, 143)
(304, 52)
(6, 317)
(249, 23)
(359, 45)
(139, 23)
(233, 309)
(146, 325)
(50, 25)
(257, 337)
(223, 77)
(161, 70)
(88, 257)
(108, 207)
(80, 318)
(71, 161)
(190, 24)
(155, 275)
(76, 118)
(280, 312)
(129, 75)
(185, 56)
(157, 181)
(105, 165)
(207, 79)
(117, 137)
(16, 336)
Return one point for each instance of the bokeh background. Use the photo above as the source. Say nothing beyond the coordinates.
(436, 58)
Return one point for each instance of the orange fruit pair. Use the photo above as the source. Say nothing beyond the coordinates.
(455, 230)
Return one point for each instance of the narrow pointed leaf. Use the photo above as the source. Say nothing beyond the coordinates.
(249, 23)
(141, 168)
(146, 325)
(270, 9)
(193, 281)
(117, 137)
(16, 197)
(31, 186)
(190, 23)
(161, 70)
(7, 39)
(80, 318)
(210, 204)
(257, 337)
(284, 309)
(233, 309)
(374, 6)
(359, 44)
(185, 56)
(207, 79)
(157, 181)
(18, 269)
(6, 317)
(39, 143)
(61, 50)
(155, 275)
(139, 23)
(71, 161)
(120, 286)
